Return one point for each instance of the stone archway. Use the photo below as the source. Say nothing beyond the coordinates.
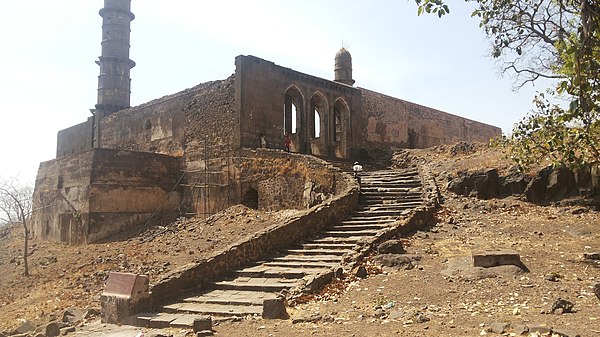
(294, 120)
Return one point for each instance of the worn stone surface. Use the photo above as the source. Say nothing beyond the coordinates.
(496, 258)
(391, 247)
(274, 309)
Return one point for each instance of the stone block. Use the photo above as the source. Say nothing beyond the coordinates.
(565, 333)
(499, 328)
(519, 329)
(274, 308)
(541, 329)
(123, 296)
(203, 324)
(496, 258)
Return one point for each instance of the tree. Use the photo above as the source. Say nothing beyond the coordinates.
(555, 39)
(16, 205)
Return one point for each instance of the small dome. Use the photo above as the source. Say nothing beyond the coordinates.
(343, 67)
(343, 53)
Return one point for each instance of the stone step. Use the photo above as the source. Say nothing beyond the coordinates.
(383, 201)
(234, 297)
(167, 320)
(278, 271)
(343, 233)
(357, 227)
(214, 309)
(372, 221)
(303, 264)
(352, 240)
(263, 284)
(332, 245)
(318, 251)
(308, 258)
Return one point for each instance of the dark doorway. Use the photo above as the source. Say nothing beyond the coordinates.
(250, 198)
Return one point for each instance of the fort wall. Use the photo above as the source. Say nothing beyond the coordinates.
(75, 139)
(399, 123)
(91, 195)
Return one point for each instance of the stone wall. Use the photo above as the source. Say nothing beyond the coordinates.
(157, 126)
(94, 194)
(75, 139)
(260, 96)
(394, 122)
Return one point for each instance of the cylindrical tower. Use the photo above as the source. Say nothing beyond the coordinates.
(114, 82)
(343, 67)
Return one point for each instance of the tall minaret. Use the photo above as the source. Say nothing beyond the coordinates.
(114, 82)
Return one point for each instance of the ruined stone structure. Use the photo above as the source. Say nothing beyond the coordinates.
(190, 153)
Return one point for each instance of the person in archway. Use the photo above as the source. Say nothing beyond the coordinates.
(286, 142)
(263, 141)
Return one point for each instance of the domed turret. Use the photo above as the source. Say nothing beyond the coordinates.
(343, 67)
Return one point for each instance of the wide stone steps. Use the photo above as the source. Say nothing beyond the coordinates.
(385, 196)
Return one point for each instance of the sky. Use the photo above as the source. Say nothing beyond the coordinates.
(48, 78)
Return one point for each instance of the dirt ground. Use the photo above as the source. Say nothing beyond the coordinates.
(438, 296)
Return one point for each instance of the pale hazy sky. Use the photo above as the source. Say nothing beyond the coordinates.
(48, 76)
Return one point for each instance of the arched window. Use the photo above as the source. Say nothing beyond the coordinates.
(318, 109)
(293, 108)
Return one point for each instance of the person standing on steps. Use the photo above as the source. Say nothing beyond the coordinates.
(286, 142)
(357, 169)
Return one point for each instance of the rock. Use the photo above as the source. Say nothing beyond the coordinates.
(24, 328)
(391, 247)
(399, 261)
(73, 315)
(483, 184)
(552, 277)
(565, 333)
(361, 272)
(204, 333)
(307, 319)
(379, 312)
(67, 330)
(497, 258)
(519, 329)
(540, 329)
(204, 323)
(91, 313)
(596, 290)
(155, 334)
(52, 329)
(274, 308)
(564, 305)
(514, 183)
(592, 256)
(499, 328)
(551, 184)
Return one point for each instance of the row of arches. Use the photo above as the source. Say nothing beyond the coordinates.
(318, 128)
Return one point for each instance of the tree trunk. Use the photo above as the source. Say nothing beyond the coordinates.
(25, 250)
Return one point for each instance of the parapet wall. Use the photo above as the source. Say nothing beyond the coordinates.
(394, 122)
(94, 194)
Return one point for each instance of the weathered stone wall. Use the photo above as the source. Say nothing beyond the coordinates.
(157, 126)
(260, 96)
(91, 195)
(75, 139)
(394, 122)
(264, 179)
(61, 198)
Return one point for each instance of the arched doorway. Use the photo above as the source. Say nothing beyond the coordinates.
(339, 130)
(250, 198)
(317, 119)
(294, 120)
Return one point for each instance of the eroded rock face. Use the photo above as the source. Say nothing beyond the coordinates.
(483, 184)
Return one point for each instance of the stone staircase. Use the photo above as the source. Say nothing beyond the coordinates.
(385, 196)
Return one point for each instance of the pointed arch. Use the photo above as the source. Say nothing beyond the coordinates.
(293, 108)
(317, 115)
(340, 127)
